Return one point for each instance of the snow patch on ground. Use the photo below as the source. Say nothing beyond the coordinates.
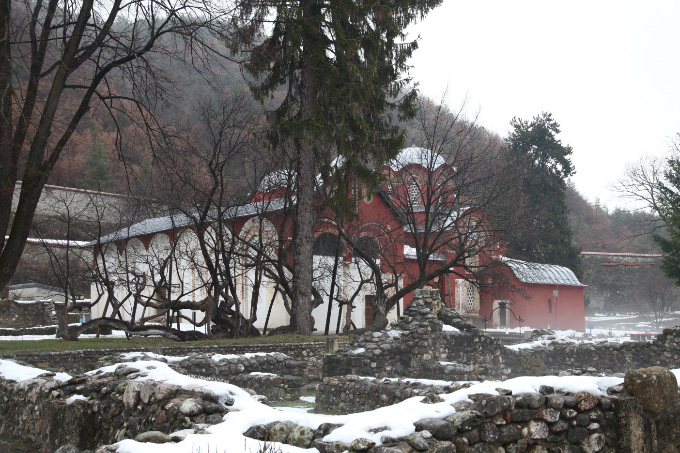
(448, 328)
(12, 371)
(152, 355)
(248, 355)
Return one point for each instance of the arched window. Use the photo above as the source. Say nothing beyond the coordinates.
(414, 193)
(325, 245)
(470, 298)
(369, 245)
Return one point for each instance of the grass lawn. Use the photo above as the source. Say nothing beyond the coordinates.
(55, 345)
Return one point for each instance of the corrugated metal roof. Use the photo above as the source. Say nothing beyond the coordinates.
(541, 273)
(159, 224)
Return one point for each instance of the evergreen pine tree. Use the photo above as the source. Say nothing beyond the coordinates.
(544, 163)
(339, 66)
(98, 169)
(668, 209)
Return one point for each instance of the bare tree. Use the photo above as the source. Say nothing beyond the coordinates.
(640, 186)
(56, 60)
(451, 198)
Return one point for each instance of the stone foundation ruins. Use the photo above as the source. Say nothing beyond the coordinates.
(422, 355)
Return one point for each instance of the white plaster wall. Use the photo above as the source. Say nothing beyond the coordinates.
(188, 269)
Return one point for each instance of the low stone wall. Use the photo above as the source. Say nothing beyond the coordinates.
(275, 388)
(308, 354)
(274, 375)
(19, 315)
(17, 332)
(344, 395)
(638, 416)
(536, 422)
(112, 407)
(605, 357)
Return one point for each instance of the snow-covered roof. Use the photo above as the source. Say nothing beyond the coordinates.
(411, 254)
(636, 255)
(416, 155)
(541, 273)
(168, 223)
(276, 179)
(56, 242)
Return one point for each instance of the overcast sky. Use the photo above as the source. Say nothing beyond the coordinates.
(608, 71)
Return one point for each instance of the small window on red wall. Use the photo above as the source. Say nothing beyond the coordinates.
(549, 306)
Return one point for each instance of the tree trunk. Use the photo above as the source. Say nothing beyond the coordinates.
(8, 174)
(301, 317)
(379, 321)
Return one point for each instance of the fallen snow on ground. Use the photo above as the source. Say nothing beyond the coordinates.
(114, 334)
(247, 355)
(14, 372)
(599, 318)
(152, 355)
(566, 339)
(397, 419)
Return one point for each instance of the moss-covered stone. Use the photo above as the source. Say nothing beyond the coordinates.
(655, 387)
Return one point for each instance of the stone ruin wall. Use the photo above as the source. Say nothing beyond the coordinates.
(39, 410)
(636, 417)
(307, 355)
(18, 315)
(603, 357)
(418, 346)
(540, 422)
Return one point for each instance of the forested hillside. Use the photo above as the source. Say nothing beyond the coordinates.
(92, 160)
(598, 230)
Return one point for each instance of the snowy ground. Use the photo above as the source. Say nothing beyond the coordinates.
(632, 323)
(601, 327)
(398, 419)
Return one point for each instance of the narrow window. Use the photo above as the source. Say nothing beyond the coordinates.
(549, 306)
(470, 298)
(414, 193)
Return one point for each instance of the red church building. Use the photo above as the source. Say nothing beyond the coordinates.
(418, 223)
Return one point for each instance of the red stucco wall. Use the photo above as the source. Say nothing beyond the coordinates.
(538, 307)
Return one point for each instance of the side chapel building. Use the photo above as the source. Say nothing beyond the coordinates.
(532, 295)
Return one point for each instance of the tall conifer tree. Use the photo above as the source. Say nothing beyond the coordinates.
(339, 67)
(545, 164)
(667, 207)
